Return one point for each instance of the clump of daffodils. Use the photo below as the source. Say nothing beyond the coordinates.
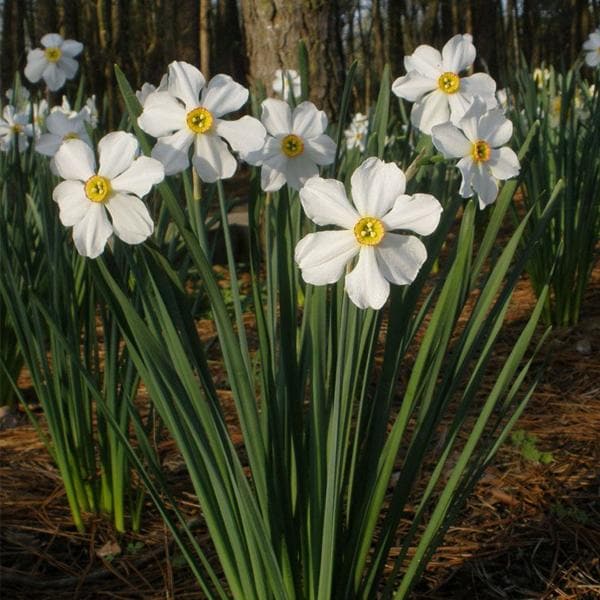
(591, 47)
(437, 86)
(189, 114)
(296, 145)
(55, 62)
(90, 195)
(368, 230)
(478, 139)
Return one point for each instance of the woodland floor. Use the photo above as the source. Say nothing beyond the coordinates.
(528, 531)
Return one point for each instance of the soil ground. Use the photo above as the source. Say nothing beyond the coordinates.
(528, 531)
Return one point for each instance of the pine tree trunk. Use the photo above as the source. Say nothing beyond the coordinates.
(273, 29)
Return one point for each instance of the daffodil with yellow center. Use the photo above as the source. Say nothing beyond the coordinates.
(53, 54)
(449, 82)
(292, 145)
(199, 120)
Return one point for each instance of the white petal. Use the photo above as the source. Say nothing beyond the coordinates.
(173, 150)
(426, 60)
(116, 152)
(323, 256)
(131, 220)
(223, 95)
(325, 202)
(54, 77)
(366, 286)
(413, 86)
(162, 115)
(61, 124)
(92, 232)
(244, 135)
(467, 168)
(276, 116)
(299, 170)
(419, 213)
(71, 48)
(68, 65)
(504, 163)
(75, 160)
(459, 104)
(430, 111)
(400, 257)
(495, 128)
(307, 121)
(479, 84)
(48, 144)
(376, 186)
(212, 158)
(320, 149)
(185, 83)
(52, 40)
(458, 54)
(450, 140)
(592, 59)
(469, 122)
(272, 174)
(485, 185)
(139, 178)
(72, 202)
(36, 63)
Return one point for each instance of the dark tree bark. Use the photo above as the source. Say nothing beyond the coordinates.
(273, 29)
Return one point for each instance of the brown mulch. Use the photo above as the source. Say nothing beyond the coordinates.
(529, 530)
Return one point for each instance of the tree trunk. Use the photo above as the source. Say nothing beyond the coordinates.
(273, 29)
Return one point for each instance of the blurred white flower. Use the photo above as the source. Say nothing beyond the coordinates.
(55, 63)
(367, 231)
(190, 113)
(117, 186)
(296, 144)
(18, 97)
(61, 128)
(40, 113)
(356, 134)
(476, 140)
(15, 128)
(281, 84)
(502, 98)
(433, 82)
(90, 111)
(591, 47)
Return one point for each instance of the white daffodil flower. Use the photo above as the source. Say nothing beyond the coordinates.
(591, 47)
(367, 230)
(296, 144)
(55, 63)
(15, 128)
(281, 84)
(190, 113)
(356, 134)
(18, 97)
(476, 141)
(433, 82)
(116, 186)
(61, 128)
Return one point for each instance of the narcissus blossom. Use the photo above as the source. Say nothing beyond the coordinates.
(61, 128)
(477, 141)
(281, 84)
(356, 134)
(296, 144)
(18, 96)
(591, 47)
(55, 63)
(435, 84)
(190, 113)
(90, 195)
(367, 232)
(15, 128)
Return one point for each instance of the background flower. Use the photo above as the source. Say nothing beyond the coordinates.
(356, 134)
(380, 207)
(15, 128)
(281, 84)
(55, 63)
(591, 47)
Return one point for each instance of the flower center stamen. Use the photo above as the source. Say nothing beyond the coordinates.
(70, 136)
(16, 128)
(292, 145)
(369, 231)
(199, 120)
(481, 151)
(449, 82)
(53, 54)
(97, 188)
